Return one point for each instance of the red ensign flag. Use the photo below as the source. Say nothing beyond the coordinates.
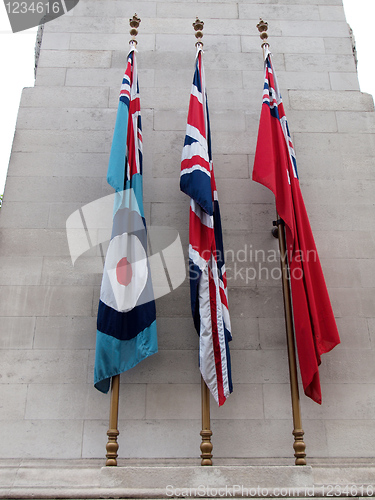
(275, 167)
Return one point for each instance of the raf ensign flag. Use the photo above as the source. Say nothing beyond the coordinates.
(275, 167)
(126, 325)
(208, 283)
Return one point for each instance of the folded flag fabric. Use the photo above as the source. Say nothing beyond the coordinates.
(275, 167)
(126, 324)
(208, 282)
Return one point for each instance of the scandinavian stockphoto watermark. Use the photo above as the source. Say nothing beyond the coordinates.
(123, 250)
(98, 245)
(249, 265)
(25, 14)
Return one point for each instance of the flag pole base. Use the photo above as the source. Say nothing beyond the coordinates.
(206, 447)
(113, 432)
(206, 432)
(112, 448)
(299, 447)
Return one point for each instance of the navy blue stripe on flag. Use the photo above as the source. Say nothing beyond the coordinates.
(197, 185)
(125, 326)
(125, 99)
(194, 275)
(197, 79)
(208, 132)
(189, 140)
(274, 112)
(228, 338)
(218, 239)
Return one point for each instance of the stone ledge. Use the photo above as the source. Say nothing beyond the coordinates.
(211, 477)
(86, 479)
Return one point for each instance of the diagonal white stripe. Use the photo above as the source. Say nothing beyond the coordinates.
(192, 169)
(196, 258)
(194, 133)
(194, 149)
(206, 220)
(195, 92)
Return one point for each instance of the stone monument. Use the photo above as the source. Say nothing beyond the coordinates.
(48, 307)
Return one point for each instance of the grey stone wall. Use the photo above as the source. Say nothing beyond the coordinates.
(49, 407)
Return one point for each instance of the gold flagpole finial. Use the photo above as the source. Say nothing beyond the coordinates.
(198, 26)
(262, 28)
(134, 25)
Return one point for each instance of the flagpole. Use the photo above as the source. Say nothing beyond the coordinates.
(206, 432)
(113, 432)
(298, 433)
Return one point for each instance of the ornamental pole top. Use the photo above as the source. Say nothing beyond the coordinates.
(262, 28)
(198, 26)
(134, 22)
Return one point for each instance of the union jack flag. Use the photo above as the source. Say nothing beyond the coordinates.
(275, 167)
(208, 282)
(126, 325)
(127, 145)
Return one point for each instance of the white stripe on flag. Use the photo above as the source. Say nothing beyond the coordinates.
(196, 258)
(194, 149)
(194, 133)
(206, 220)
(192, 169)
(206, 352)
(195, 92)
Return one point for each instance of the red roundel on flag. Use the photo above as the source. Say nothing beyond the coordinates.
(124, 272)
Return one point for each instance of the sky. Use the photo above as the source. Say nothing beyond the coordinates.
(17, 66)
